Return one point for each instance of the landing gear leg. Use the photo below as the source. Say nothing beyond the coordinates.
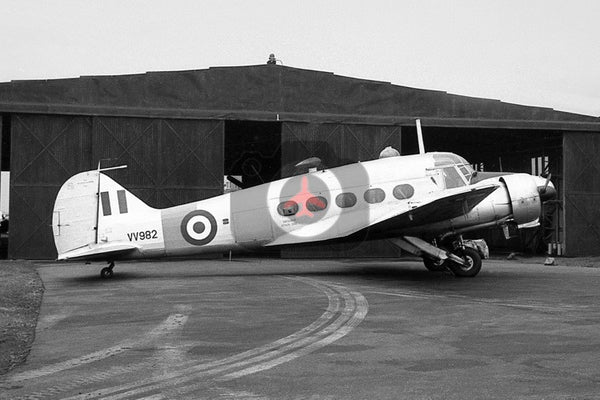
(464, 261)
(471, 263)
(107, 272)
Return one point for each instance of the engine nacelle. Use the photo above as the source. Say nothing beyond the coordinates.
(524, 197)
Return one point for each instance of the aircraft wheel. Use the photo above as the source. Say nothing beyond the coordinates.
(434, 266)
(473, 259)
(106, 273)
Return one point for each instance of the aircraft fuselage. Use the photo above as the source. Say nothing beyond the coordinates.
(383, 198)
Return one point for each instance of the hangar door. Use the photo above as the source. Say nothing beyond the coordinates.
(582, 193)
(335, 145)
(169, 162)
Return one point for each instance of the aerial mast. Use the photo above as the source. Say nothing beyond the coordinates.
(420, 137)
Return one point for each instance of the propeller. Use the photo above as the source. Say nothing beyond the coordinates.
(546, 184)
(547, 190)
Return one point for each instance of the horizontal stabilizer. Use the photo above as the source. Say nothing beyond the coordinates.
(100, 251)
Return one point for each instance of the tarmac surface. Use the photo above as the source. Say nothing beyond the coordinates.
(306, 329)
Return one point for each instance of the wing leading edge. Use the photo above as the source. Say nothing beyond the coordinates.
(394, 223)
(441, 209)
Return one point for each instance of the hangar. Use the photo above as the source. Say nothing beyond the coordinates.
(182, 132)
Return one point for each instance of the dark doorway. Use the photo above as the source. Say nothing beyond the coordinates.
(252, 156)
(491, 149)
(253, 151)
(533, 151)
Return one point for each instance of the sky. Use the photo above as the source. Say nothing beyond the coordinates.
(534, 52)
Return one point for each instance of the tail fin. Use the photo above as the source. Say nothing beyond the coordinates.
(86, 207)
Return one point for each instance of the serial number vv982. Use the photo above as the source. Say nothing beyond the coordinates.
(142, 235)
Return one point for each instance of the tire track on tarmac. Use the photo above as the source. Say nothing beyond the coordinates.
(166, 328)
(345, 311)
(173, 322)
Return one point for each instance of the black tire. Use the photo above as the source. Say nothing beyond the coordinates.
(106, 273)
(434, 266)
(473, 259)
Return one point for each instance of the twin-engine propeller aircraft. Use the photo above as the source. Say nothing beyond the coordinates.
(422, 203)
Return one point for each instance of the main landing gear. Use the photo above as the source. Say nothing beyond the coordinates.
(468, 266)
(462, 257)
(463, 260)
(107, 272)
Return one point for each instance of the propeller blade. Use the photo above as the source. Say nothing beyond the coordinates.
(546, 189)
(547, 183)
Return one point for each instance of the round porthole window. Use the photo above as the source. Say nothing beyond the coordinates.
(317, 203)
(403, 192)
(287, 208)
(345, 200)
(375, 195)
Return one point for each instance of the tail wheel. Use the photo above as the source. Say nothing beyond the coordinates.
(106, 273)
(473, 259)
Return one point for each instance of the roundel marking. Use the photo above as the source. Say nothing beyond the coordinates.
(195, 227)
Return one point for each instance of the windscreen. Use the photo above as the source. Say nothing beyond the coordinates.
(446, 160)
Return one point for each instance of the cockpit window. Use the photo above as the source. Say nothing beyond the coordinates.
(465, 168)
(445, 161)
(452, 178)
(467, 171)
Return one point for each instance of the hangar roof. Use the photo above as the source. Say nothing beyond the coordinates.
(274, 92)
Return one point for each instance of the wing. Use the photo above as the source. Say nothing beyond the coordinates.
(355, 222)
(437, 210)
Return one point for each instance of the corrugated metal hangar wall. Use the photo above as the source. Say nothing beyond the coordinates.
(581, 194)
(48, 149)
(52, 148)
(177, 131)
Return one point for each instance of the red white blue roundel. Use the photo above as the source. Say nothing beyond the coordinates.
(199, 227)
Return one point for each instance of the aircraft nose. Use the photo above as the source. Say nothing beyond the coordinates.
(546, 188)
